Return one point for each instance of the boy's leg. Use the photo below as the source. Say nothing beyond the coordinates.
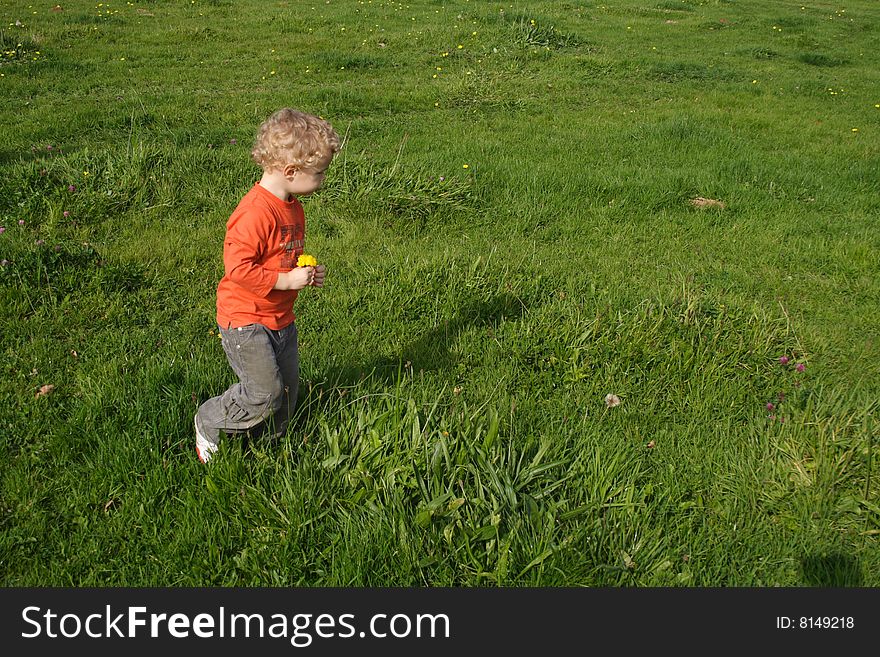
(259, 391)
(287, 359)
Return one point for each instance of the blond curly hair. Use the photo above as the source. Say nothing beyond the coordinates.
(293, 137)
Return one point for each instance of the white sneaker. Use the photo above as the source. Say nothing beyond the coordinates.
(204, 448)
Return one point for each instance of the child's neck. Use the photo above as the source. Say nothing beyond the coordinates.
(276, 183)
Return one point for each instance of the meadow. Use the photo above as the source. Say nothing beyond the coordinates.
(538, 359)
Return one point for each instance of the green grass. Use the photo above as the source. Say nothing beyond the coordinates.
(452, 428)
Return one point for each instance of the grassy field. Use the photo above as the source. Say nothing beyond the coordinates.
(510, 238)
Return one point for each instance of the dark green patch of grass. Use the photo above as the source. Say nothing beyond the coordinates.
(820, 59)
(763, 53)
(680, 71)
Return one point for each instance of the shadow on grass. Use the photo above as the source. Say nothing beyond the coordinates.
(432, 350)
(831, 570)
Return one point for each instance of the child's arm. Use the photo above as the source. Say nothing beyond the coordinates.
(243, 250)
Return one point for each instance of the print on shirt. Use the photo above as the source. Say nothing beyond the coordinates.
(292, 243)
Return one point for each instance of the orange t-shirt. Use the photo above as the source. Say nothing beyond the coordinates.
(264, 236)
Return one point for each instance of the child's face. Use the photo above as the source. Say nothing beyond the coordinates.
(305, 181)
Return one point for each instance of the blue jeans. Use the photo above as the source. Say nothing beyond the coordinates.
(267, 365)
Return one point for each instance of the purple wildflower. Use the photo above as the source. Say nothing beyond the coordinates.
(783, 360)
(72, 188)
(800, 367)
(233, 141)
(2, 229)
(21, 222)
(40, 242)
(770, 406)
(66, 213)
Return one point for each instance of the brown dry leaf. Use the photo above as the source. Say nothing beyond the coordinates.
(671, 22)
(46, 390)
(144, 12)
(651, 445)
(109, 504)
(57, 8)
(703, 203)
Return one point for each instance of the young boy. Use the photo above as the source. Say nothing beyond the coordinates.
(264, 237)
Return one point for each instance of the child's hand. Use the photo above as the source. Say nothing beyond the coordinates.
(319, 276)
(296, 279)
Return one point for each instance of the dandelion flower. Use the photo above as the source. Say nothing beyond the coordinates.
(612, 400)
(465, 166)
(306, 261)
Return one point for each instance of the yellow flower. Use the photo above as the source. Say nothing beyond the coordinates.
(306, 261)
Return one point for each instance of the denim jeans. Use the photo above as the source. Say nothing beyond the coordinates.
(267, 365)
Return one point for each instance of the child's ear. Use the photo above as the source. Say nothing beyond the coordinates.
(290, 171)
